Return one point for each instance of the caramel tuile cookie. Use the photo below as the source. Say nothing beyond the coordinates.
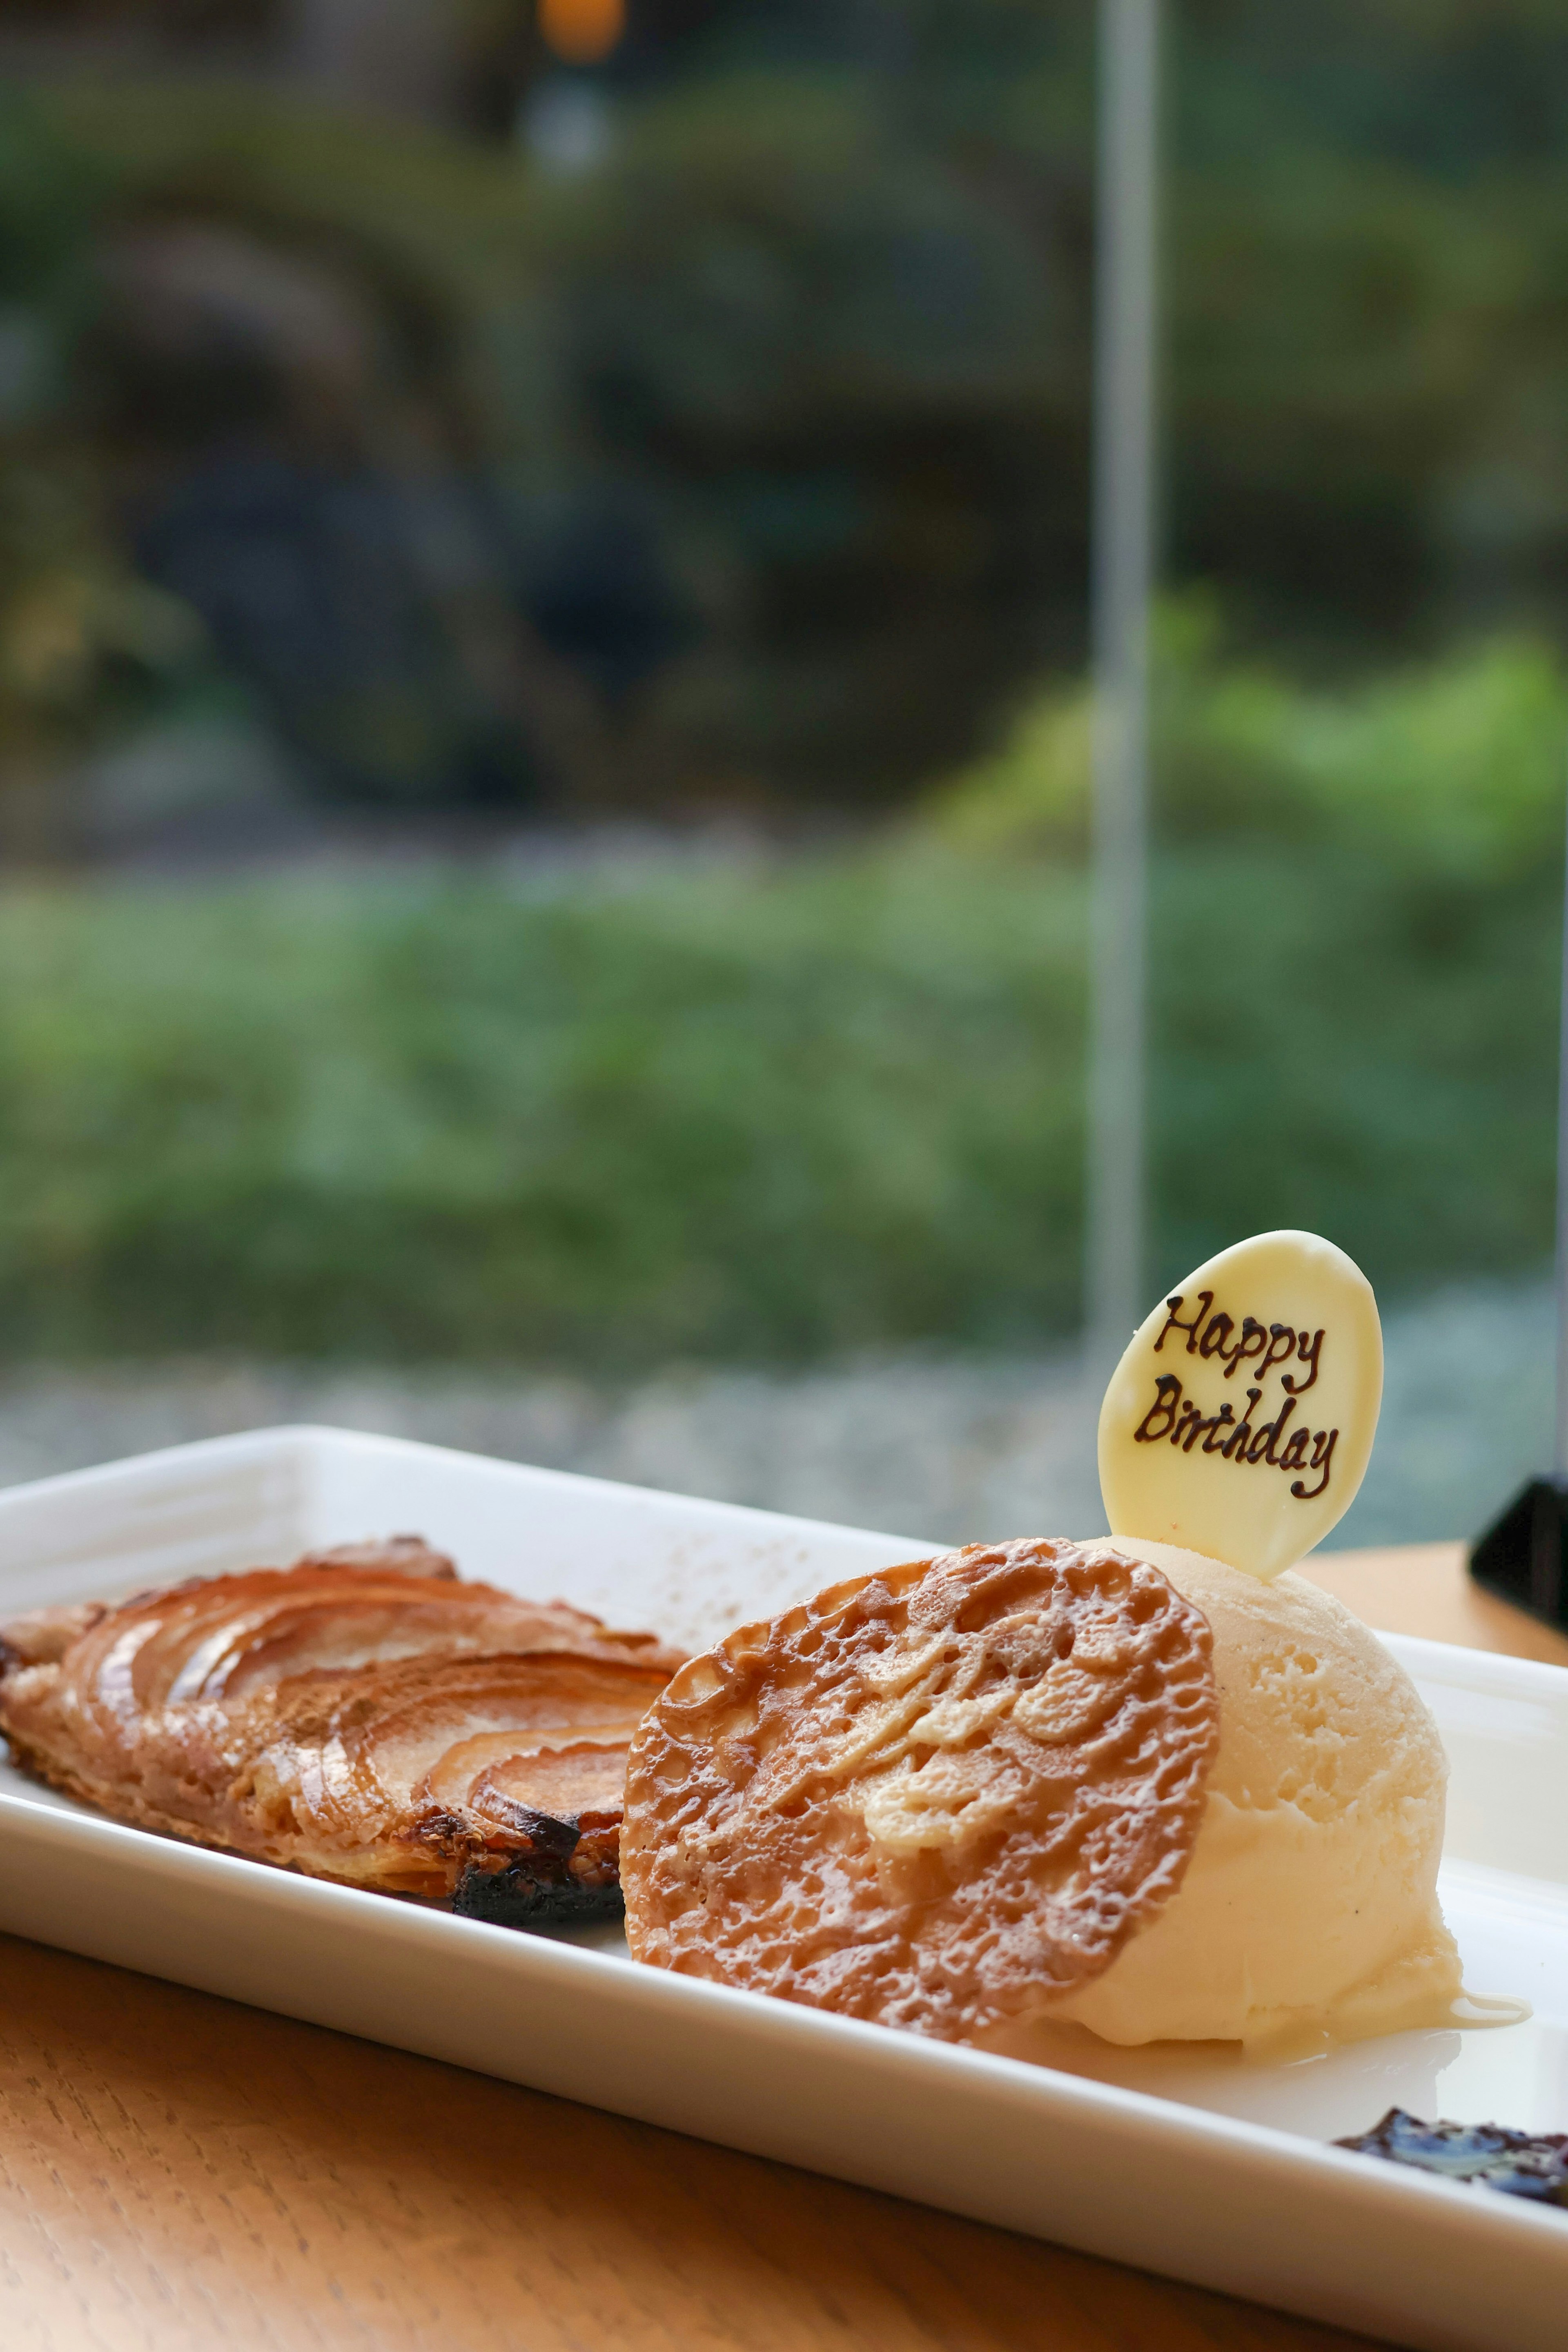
(935, 1798)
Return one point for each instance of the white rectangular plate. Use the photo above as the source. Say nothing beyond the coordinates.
(1192, 2163)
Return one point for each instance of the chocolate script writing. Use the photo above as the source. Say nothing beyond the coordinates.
(1179, 1419)
(1264, 1345)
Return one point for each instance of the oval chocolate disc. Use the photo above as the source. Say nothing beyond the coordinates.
(1239, 1422)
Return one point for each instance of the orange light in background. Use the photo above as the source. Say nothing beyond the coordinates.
(581, 32)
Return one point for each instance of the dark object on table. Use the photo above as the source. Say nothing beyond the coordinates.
(1523, 1556)
(1488, 2154)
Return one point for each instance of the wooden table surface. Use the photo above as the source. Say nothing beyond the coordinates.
(177, 2170)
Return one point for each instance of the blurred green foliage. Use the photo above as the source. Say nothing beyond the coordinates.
(823, 306)
(757, 1117)
(832, 1102)
(848, 382)
(1455, 767)
(83, 642)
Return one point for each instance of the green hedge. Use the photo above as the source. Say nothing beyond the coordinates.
(1457, 769)
(815, 1104)
(758, 1120)
(759, 1116)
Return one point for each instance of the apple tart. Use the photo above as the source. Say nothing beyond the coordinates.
(364, 1715)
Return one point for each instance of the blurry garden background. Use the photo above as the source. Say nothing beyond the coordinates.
(544, 749)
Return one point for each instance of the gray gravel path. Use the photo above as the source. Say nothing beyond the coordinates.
(944, 1447)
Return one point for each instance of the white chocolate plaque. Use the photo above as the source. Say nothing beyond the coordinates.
(1240, 1419)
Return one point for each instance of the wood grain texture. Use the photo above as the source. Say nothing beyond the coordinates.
(181, 2174)
(177, 2171)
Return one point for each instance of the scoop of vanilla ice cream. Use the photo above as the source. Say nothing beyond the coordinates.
(1310, 1901)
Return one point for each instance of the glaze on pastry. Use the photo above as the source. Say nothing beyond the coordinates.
(363, 1716)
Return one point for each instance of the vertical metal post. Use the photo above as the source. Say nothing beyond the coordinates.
(1123, 579)
(1562, 1451)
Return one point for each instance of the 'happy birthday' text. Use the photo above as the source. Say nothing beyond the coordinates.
(1181, 1420)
